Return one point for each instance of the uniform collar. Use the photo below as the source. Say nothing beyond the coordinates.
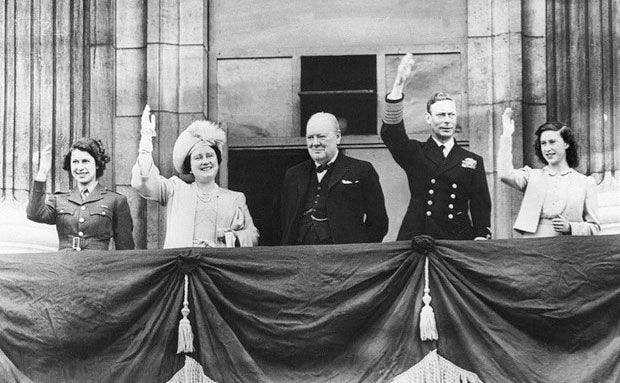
(448, 144)
(90, 189)
(94, 195)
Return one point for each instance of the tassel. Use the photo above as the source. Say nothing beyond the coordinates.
(428, 327)
(186, 337)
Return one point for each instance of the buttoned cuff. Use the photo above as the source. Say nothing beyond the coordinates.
(484, 233)
(393, 111)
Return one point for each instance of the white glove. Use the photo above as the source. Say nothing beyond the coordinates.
(147, 131)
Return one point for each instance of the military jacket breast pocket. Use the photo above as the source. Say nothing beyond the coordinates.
(100, 222)
(65, 213)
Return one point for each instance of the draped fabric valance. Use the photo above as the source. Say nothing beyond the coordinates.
(536, 310)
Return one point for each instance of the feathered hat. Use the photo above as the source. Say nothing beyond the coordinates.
(198, 131)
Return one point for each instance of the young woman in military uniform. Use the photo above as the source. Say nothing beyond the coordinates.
(88, 216)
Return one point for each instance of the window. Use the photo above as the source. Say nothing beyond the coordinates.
(345, 86)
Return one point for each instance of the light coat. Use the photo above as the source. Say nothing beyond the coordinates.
(181, 200)
(581, 208)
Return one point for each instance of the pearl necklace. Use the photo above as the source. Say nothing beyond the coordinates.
(206, 196)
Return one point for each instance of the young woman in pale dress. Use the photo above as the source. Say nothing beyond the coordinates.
(557, 199)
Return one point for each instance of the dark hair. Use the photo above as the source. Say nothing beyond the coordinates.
(92, 146)
(187, 167)
(439, 96)
(572, 156)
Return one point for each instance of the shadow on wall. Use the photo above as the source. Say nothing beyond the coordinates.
(20, 235)
(609, 203)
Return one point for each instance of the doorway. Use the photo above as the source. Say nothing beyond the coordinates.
(259, 175)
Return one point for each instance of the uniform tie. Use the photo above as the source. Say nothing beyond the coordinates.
(442, 148)
(85, 194)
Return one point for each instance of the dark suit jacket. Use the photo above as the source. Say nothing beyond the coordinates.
(105, 214)
(355, 203)
(444, 191)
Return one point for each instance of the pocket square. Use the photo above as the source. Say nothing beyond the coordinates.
(347, 182)
(469, 163)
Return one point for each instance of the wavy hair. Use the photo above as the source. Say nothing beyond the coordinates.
(439, 96)
(572, 156)
(92, 146)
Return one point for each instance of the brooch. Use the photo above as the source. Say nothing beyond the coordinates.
(469, 163)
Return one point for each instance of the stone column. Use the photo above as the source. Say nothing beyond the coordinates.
(584, 90)
(494, 83)
(176, 69)
(534, 75)
(129, 101)
(44, 85)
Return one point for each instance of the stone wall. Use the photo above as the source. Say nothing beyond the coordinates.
(74, 68)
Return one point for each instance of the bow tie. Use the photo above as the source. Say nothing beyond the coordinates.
(322, 168)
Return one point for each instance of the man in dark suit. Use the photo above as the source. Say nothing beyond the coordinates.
(331, 198)
(449, 193)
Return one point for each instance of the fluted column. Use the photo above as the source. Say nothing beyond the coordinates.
(583, 79)
(44, 92)
(42, 83)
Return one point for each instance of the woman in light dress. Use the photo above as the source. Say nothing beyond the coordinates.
(557, 199)
(199, 213)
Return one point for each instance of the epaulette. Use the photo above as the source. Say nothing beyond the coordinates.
(111, 191)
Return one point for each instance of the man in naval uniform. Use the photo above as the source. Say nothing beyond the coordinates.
(331, 198)
(449, 193)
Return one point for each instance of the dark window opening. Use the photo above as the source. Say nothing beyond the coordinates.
(345, 86)
(259, 175)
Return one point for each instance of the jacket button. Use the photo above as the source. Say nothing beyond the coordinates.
(450, 216)
(81, 234)
(453, 196)
(430, 202)
(451, 206)
(83, 208)
(433, 180)
(428, 213)
(453, 186)
(431, 191)
(103, 213)
(81, 219)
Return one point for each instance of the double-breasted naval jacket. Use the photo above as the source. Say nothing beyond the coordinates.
(84, 225)
(449, 195)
